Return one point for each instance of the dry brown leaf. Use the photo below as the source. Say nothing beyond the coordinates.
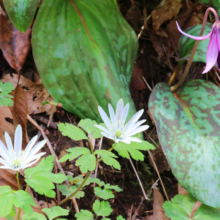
(14, 44)
(166, 10)
(36, 93)
(158, 214)
(137, 82)
(182, 190)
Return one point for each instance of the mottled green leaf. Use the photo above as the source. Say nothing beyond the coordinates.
(186, 44)
(21, 13)
(85, 52)
(72, 131)
(5, 97)
(188, 127)
(55, 211)
(102, 208)
(84, 215)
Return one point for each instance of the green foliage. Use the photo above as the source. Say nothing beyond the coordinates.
(86, 162)
(21, 13)
(68, 191)
(6, 207)
(72, 131)
(88, 126)
(100, 69)
(24, 201)
(108, 158)
(55, 211)
(5, 97)
(34, 216)
(186, 44)
(41, 178)
(84, 215)
(102, 208)
(133, 149)
(215, 3)
(188, 130)
(181, 207)
(120, 218)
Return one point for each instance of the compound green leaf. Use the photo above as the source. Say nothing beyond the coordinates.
(72, 131)
(103, 193)
(99, 70)
(34, 216)
(186, 44)
(188, 127)
(205, 212)
(120, 218)
(86, 162)
(21, 13)
(68, 191)
(55, 211)
(102, 208)
(84, 215)
(6, 204)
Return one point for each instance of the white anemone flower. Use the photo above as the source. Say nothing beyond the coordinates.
(15, 158)
(116, 128)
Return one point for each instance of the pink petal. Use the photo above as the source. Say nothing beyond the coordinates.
(212, 52)
(194, 37)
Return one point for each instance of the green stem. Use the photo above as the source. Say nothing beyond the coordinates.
(113, 146)
(90, 143)
(77, 190)
(186, 71)
(19, 210)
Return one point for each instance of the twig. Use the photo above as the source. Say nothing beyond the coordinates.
(55, 156)
(155, 166)
(145, 81)
(145, 196)
(138, 208)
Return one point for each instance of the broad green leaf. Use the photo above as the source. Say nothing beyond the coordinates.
(24, 200)
(133, 149)
(205, 212)
(88, 125)
(186, 44)
(12, 215)
(86, 162)
(102, 208)
(84, 215)
(34, 216)
(5, 189)
(6, 204)
(108, 158)
(188, 127)
(120, 218)
(72, 131)
(5, 97)
(56, 178)
(103, 193)
(105, 46)
(74, 153)
(180, 207)
(68, 191)
(21, 13)
(55, 211)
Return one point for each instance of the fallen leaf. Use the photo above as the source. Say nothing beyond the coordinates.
(35, 92)
(166, 10)
(14, 44)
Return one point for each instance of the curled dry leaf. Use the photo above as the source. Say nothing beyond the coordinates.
(35, 92)
(166, 10)
(14, 44)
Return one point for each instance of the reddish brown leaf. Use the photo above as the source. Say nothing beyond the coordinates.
(19, 112)
(14, 44)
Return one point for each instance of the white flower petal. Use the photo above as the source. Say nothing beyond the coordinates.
(105, 118)
(132, 121)
(137, 124)
(36, 148)
(138, 130)
(4, 162)
(124, 116)
(18, 139)
(112, 114)
(126, 140)
(134, 139)
(119, 110)
(103, 129)
(37, 156)
(108, 136)
(8, 141)
(30, 145)
(3, 150)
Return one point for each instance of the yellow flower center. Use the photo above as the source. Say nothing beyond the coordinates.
(16, 162)
(118, 133)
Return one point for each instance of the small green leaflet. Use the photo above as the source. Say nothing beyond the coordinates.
(84, 215)
(5, 97)
(86, 162)
(181, 207)
(34, 216)
(134, 148)
(108, 158)
(88, 126)
(11, 215)
(68, 191)
(24, 201)
(72, 131)
(106, 193)
(120, 218)
(41, 178)
(55, 211)
(6, 207)
(102, 208)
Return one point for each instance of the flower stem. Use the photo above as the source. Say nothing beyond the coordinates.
(17, 177)
(91, 146)
(77, 190)
(186, 71)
